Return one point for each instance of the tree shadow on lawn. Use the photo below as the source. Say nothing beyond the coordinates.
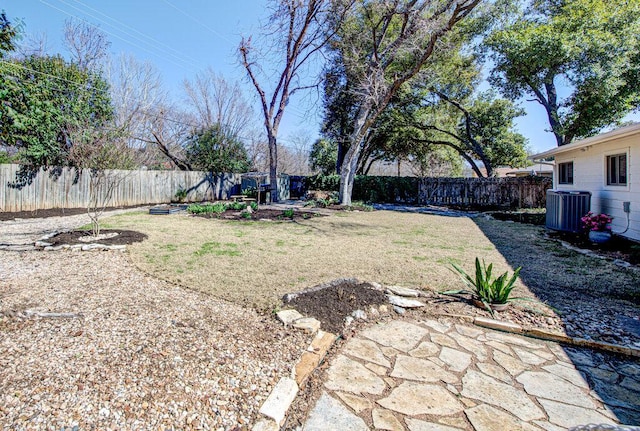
(595, 299)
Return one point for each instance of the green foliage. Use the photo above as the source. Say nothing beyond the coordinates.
(322, 182)
(215, 208)
(589, 46)
(8, 34)
(216, 150)
(254, 206)
(236, 206)
(181, 194)
(324, 156)
(385, 189)
(483, 287)
(44, 103)
(5, 158)
(288, 213)
(369, 188)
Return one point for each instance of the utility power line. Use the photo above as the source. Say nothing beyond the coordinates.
(116, 36)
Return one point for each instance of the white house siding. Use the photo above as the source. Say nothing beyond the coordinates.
(589, 174)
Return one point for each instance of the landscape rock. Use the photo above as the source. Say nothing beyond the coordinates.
(308, 324)
(404, 302)
(347, 375)
(288, 316)
(402, 291)
(359, 314)
(280, 399)
(482, 388)
(414, 399)
(399, 310)
(385, 420)
(330, 414)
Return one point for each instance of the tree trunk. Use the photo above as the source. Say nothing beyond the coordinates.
(273, 168)
(340, 158)
(351, 158)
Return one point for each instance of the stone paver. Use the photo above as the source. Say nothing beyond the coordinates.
(329, 414)
(442, 375)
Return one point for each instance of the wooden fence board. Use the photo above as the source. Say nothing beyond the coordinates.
(141, 187)
(525, 192)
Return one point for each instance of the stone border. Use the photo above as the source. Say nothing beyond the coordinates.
(47, 246)
(274, 409)
(514, 328)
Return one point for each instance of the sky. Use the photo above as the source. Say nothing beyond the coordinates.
(182, 38)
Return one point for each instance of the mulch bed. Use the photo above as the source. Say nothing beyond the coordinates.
(52, 212)
(617, 248)
(124, 237)
(332, 304)
(261, 214)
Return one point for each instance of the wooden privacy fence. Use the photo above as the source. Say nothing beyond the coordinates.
(523, 192)
(63, 188)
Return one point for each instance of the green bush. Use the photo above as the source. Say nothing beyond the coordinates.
(288, 213)
(217, 208)
(369, 188)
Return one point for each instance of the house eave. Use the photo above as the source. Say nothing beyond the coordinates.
(594, 140)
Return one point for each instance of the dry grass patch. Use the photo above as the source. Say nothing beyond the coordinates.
(255, 263)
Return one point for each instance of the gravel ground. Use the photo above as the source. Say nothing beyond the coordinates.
(141, 354)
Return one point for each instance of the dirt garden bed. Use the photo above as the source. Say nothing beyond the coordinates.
(107, 237)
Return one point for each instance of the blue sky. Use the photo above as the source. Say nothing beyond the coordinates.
(182, 38)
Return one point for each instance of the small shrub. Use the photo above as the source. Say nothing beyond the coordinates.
(217, 208)
(181, 194)
(246, 215)
(254, 206)
(484, 288)
(288, 213)
(596, 222)
(236, 206)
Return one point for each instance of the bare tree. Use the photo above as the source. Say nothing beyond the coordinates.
(215, 101)
(86, 43)
(385, 44)
(106, 160)
(298, 31)
(35, 44)
(140, 102)
(294, 157)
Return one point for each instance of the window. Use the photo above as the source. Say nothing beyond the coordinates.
(565, 173)
(617, 170)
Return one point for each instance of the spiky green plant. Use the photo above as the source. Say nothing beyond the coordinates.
(483, 287)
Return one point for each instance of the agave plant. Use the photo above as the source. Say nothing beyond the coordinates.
(484, 288)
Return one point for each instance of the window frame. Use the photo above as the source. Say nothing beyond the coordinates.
(568, 178)
(613, 168)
